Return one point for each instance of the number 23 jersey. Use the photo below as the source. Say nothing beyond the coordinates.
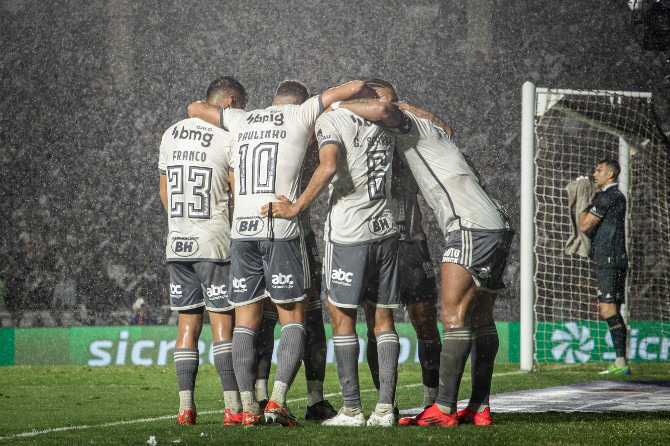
(195, 158)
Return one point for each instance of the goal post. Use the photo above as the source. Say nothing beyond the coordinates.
(563, 134)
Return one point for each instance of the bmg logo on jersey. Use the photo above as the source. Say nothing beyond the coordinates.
(184, 246)
(205, 138)
(282, 280)
(341, 277)
(239, 285)
(380, 225)
(175, 291)
(249, 225)
(451, 255)
(216, 292)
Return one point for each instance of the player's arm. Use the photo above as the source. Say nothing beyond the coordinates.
(588, 221)
(207, 112)
(322, 175)
(163, 191)
(231, 200)
(425, 114)
(385, 113)
(341, 93)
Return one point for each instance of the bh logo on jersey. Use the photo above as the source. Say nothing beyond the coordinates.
(217, 292)
(176, 291)
(451, 255)
(239, 285)
(282, 280)
(184, 247)
(249, 225)
(380, 225)
(341, 277)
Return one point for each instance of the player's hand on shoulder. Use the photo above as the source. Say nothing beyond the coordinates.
(284, 208)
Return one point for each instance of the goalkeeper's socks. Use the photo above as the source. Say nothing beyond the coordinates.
(456, 344)
(485, 345)
(265, 342)
(617, 328)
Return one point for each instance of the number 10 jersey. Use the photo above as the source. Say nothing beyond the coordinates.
(195, 157)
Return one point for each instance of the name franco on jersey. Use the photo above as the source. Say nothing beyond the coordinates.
(195, 157)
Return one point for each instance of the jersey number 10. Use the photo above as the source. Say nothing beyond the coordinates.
(263, 168)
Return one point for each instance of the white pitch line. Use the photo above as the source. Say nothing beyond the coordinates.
(35, 433)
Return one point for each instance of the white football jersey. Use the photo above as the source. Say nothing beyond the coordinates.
(195, 157)
(268, 152)
(360, 191)
(448, 182)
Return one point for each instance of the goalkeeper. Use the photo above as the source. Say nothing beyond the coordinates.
(604, 222)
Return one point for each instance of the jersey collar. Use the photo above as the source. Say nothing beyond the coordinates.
(609, 186)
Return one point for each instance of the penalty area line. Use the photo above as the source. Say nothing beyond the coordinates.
(35, 433)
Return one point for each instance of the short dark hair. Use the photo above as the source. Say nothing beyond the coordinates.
(294, 89)
(379, 83)
(611, 164)
(226, 85)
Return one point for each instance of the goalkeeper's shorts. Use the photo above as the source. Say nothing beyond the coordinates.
(611, 285)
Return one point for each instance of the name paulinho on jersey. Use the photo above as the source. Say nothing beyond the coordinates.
(195, 158)
(360, 190)
(267, 156)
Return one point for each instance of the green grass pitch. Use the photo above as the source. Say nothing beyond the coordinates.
(72, 405)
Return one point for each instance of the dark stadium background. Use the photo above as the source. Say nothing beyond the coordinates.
(87, 89)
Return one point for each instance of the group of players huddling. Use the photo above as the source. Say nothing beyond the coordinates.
(257, 261)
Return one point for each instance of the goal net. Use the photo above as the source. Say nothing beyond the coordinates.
(572, 131)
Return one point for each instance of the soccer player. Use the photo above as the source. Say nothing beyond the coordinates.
(314, 358)
(269, 254)
(194, 188)
(416, 279)
(477, 242)
(604, 220)
(361, 242)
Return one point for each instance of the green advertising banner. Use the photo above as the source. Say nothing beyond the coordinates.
(154, 345)
(585, 341)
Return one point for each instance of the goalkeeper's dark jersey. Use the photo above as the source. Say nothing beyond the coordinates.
(609, 237)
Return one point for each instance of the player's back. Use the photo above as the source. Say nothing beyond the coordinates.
(360, 190)
(448, 181)
(195, 157)
(269, 149)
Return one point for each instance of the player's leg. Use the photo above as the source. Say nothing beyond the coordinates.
(345, 285)
(388, 346)
(371, 354)
(347, 350)
(247, 294)
(222, 331)
(611, 294)
(214, 277)
(186, 297)
(483, 352)
(418, 291)
(423, 316)
(287, 278)
(265, 343)
(186, 360)
(315, 340)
